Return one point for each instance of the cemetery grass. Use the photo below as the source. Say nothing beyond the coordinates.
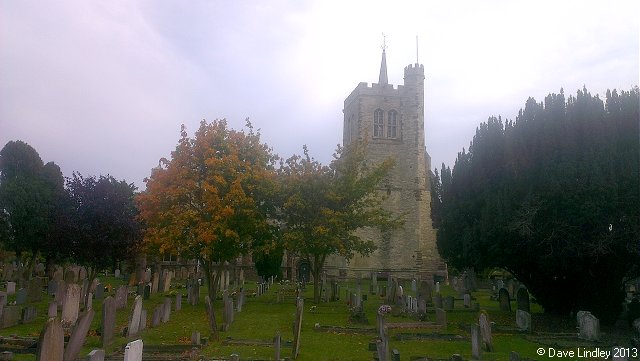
(262, 317)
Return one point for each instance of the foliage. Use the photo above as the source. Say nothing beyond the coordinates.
(106, 226)
(553, 198)
(324, 205)
(31, 194)
(269, 263)
(212, 199)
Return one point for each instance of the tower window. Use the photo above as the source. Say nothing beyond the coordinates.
(392, 124)
(378, 123)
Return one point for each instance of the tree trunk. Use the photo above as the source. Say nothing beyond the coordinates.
(211, 292)
(92, 275)
(318, 265)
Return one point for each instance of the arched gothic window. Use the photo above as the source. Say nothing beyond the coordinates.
(378, 123)
(392, 124)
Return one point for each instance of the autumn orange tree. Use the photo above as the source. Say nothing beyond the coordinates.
(211, 201)
(324, 206)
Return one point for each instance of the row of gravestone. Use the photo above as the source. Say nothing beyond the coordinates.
(522, 299)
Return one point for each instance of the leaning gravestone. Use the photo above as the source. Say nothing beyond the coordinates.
(51, 342)
(71, 305)
(589, 326)
(166, 310)
(485, 331)
(134, 321)
(133, 351)
(79, 335)
(297, 328)
(523, 320)
(475, 342)
(505, 301)
(108, 320)
(522, 299)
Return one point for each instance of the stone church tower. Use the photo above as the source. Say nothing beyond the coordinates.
(392, 121)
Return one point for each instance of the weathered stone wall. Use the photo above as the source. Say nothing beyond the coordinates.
(410, 250)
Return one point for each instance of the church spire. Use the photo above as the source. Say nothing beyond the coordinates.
(383, 79)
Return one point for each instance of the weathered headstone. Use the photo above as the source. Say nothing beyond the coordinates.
(167, 281)
(133, 351)
(116, 273)
(485, 331)
(441, 317)
(475, 342)
(121, 297)
(21, 296)
(466, 300)
(51, 342)
(166, 311)
(52, 311)
(522, 299)
(589, 326)
(95, 355)
(70, 276)
(34, 292)
(178, 301)
(108, 325)
(143, 320)
(448, 303)
(195, 338)
(134, 320)
(52, 286)
(154, 282)
(10, 316)
(157, 316)
(61, 292)
(277, 341)
(29, 314)
(523, 320)
(11, 288)
(147, 291)
(504, 299)
(71, 304)
(99, 291)
(79, 335)
(297, 328)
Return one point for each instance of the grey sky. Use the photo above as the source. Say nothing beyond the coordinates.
(103, 86)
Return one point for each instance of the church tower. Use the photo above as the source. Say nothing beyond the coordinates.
(392, 121)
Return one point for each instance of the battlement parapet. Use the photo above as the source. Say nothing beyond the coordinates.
(414, 69)
(364, 88)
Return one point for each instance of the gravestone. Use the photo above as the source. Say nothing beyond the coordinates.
(167, 281)
(505, 301)
(21, 296)
(414, 286)
(89, 301)
(277, 341)
(193, 292)
(166, 310)
(485, 331)
(523, 320)
(475, 342)
(441, 317)
(52, 311)
(61, 292)
(143, 320)
(11, 288)
(79, 335)
(99, 291)
(95, 355)
(121, 297)
(108, 325)
(147, 291)
(466, 300)
(522, 299)
(134, 320)
(10, 316)
(589, 326)
(70, 276)
(240, 300)
(178, 301)
(154, 282)
(424, 291)
(51, 342)
(448, 303)
(71, 305)
(157, 316)
(437, 287)
(133, 351)
(195, 338)
(147, 275)
(297, 328)
(52, 286)
(116, 273)
(514, 356)
(29, 314)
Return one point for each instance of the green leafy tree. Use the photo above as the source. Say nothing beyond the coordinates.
(212, 200)
(552, 198)
(324, 206)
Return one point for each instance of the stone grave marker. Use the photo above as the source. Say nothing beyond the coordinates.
(167, 281)
(79, 335)
(11, 288)
(523, 320)
(505, 301)
(95, 355)
(157, 316)
(485, 331)
(438, 300)
(99, 291)
(178, 302)
(147, 291)
(71, 305)
(133, 351)
(438, 287)
(522, 299)
(108, 325)
(51, 342)
(448, 303)
(297, 328)
(89, 301)
(29, 314)
(143, 320)
(154, 282)
(514, 356)
(61, 292)
(166, 311)
(52, 311)
(21, 296)
(466, 300)
(195, 338)
(52, 286)
(134, 320)
(277, 341)
(589, 326)
(116, 274)
(70, 276)
(121, 297)
(475, 343)
(10, 316)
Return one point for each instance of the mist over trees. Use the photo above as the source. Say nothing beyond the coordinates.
(551, 197)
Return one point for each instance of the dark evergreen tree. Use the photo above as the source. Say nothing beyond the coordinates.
(553, 198)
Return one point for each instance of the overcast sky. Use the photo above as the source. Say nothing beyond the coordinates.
(103, 86)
